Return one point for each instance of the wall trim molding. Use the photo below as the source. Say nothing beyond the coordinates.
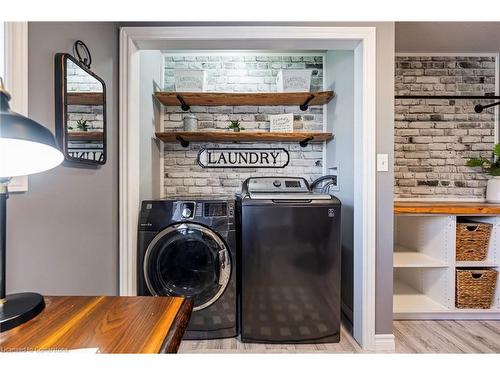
(360, 39)
(385, 343)
(16, 79)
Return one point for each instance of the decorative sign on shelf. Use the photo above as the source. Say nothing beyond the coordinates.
(293, 80)
(281, 123)
(190, 80)
(243, 158)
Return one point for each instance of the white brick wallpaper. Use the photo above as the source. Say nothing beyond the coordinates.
(434, 138)
(238, 73)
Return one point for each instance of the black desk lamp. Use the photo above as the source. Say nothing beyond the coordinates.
(26, 147)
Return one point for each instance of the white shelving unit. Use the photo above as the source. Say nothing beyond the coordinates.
(406, 258)
(410, 300)
(425, 265)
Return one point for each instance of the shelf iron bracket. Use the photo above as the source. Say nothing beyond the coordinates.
(305, 106)
(479, 107)
(306, 141)
(184, 105)
(182, 141)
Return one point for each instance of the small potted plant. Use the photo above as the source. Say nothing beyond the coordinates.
(82, 125)
(492, 168)
(235, 126)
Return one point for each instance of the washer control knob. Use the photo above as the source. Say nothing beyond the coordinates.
(186, 212)
(277, 183)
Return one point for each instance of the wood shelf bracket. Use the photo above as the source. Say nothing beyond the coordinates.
(305, 106)
(182, 141)
(306, 141)
(184, 105)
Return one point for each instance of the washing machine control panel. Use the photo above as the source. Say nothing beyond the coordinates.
(189, 210)
(156, 215)
(277, 185)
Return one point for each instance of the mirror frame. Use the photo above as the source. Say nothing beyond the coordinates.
(61, 114)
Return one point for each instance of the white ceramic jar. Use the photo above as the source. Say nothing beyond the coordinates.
(190, 122)
(493, 190)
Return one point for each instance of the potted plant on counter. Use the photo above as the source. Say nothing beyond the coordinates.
(492, 168)
(235, 126)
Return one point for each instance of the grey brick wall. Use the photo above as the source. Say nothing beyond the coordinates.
(434, 138)
(238, 73)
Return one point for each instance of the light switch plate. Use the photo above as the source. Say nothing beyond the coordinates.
(382, 162)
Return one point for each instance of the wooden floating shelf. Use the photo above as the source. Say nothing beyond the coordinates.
(447, 208)
(236, 99)
(85, 136)
(85, 98)
(216, 137)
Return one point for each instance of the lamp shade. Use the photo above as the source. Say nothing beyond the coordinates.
(26, 147)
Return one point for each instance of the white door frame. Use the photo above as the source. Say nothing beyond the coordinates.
(132, 39)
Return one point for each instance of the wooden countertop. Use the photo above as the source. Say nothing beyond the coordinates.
(446, 207)
(111, 324)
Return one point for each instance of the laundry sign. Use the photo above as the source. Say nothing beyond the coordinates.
(243, 158)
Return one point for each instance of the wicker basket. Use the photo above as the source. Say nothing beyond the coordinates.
(473, 240)
(475, 289)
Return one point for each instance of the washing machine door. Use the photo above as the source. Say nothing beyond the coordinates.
(190, 260)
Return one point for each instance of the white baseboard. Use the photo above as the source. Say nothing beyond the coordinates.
(385, 343)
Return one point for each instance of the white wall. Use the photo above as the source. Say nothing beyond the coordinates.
(339, 74)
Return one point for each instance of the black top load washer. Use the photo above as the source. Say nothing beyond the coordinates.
(188, 248)
(290, 262)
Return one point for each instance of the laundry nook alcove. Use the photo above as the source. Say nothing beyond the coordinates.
(211, 119)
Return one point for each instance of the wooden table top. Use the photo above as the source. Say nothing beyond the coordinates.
(447, 208)
(111, 324)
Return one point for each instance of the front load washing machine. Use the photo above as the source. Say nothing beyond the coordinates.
(188, 248)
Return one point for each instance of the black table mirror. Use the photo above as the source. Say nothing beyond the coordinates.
(80, 99)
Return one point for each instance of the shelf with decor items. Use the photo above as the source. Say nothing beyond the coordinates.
(425, 264)
(187, 99)
(243, 136)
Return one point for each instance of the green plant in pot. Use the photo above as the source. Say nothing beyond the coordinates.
(492, 168)
(82, 125)
(235, 126)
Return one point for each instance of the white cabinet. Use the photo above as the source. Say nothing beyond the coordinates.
(424, 267)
